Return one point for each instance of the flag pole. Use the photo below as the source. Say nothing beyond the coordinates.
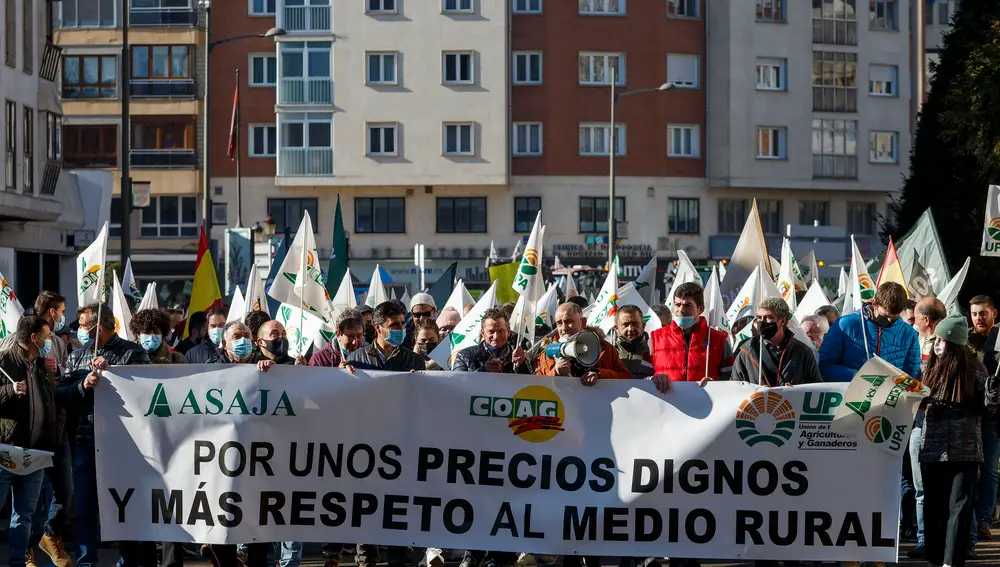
(708, 345)
(239, 150)
(100, 286)
(302, 304)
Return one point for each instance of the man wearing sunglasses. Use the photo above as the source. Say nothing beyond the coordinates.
(422, 305)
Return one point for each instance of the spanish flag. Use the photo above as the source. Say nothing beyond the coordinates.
(891, 270)
(205, 291)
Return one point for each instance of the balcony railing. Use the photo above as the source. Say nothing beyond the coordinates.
(305, 161)
(305, 90)
(306, 18)
(50, 177)
(50, 61)
(163, 159)
(175, 88)
(163, 17)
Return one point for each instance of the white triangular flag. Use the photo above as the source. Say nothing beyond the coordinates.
(843, 283)
(749, 254)
(299, 281)
(528, 280)
(128, 282)
(90, 270)
(237, 307)
(715, 312)
(860, 287)
(376, 290)
(786, 275)
(605, 306)
(299, 339)
(809, 269)
(10, 309)
(813, 300)
(123, 317)
(405, 299)
(345, 298)
(467, 332)
(255, 298)
(645, 282)
(149, 299)
(545, 310)
(949, 295)
(685, 273)
(459, 298)
(570, 290)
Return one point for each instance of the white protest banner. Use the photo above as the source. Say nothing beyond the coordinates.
(199, 453)
(22, 461)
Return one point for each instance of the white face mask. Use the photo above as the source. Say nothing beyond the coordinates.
(939, 348)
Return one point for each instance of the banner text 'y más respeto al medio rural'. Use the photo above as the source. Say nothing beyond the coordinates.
(474, 461)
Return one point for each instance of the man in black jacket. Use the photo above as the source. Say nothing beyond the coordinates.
(272, 345)
(197, 332)
(209, 349)
(786, 360)
(84, 366)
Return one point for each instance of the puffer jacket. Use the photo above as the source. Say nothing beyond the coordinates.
(473, 359)
(636, 357)
(117, 352)
(401, 360)
(951, 432)
(205, 352)
(16, 411)
(843, 353)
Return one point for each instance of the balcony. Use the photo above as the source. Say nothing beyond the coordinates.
(175, 88)
(50, 177)
(305, 162)
(305, 19)
(50, 61)
(163, 159)
(163, 16)
(305, 90)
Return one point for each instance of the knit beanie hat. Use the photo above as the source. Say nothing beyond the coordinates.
(449, 318)
(954, 329)
(422, 299)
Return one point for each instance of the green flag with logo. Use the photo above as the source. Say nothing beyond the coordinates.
(338, 254)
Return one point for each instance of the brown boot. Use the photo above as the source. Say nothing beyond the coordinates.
(54, 548)
(29, 558)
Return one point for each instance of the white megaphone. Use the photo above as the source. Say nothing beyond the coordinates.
(583, 347)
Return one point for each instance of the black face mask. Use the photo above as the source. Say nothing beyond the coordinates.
(767, 330)
(277, 347)
(369, 333)
(425, 349)
(882, 322)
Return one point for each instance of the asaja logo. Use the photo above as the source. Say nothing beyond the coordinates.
(534, 413)
(90, 276)
(993, 229)
(867, 287)
(765, 417)
(215, 401)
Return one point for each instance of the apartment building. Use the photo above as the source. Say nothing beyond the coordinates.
(809, 113)
(40, 210)
(165, 80)
(937, 22)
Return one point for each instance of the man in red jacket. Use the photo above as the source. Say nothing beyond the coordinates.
(683, 350)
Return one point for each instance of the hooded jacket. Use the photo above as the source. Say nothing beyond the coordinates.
(843, 352)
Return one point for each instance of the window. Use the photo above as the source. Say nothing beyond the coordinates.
(115, 219)
(263, 70)
(595, 139)
(305, 143)
(380, 6)
(166, 134)
(10, 32)
(10, 145)
(928, 16)
(464, 215)
(596, 68)
(882, 15)
(28, 37)
(770, 216)
(772, 11)
(90, 76)
(944, 13)
(814, 212)
(733, 215)
(382, 139)
(381, 68)
(89, 13)
(29, 150)
(682, 70)
(90, 146)
(861, 218)
(460, 6)
(602, 6)
(882, 147)
(458, 139)
(527, 6)
(771, 142)
(835, 149)
(882, 80)
(263, 140)
(170, 217)
(262, 7)
(288, 213)
(594, 213)
(53, 136)
(682, 140)
(304, 72)
(528, 68)
(683, 216)
(161, 70)
(682, 8)
(525, 211)
(835, 22)
(220, 214)
(527, 138)
(377, 216)
(457, 68)
(835, 81)
(771, 74)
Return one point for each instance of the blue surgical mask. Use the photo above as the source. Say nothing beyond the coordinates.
(685, 322)
(84, 337)
(242, 348)
(396, 337)
(216, 335)
(494, 350)
(58, 325)
(150, 343)
(45, 349)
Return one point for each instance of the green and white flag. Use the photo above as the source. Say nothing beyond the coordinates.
(604, 308)
(10, 309)
(300, 280)
(685, 273)
(467, 332)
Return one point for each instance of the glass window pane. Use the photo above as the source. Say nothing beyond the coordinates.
(140, 62)
(161, 61)
(189, 207)
(169, 213)
(179, 61)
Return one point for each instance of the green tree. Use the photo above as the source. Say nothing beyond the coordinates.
(956, 153)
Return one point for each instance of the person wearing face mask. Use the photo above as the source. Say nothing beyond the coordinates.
(367, 314)
(680, 351)
(569, 321)
(52, 307)
(632, 341)
(422, 305)
(844, 350)
(197, 332)
(773, 357)
(493, 353)
(209, 349)
(151, 325)
(348, 337)
(272, 344)
(426, 338)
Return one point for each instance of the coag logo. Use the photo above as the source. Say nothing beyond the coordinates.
(879, 430)
(535, 413)
(216, 401)
(765, 417)
(867, 287)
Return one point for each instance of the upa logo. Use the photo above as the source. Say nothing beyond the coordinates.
(879, 430)
(90, 276)
(765, 417)
(993, 234)
(867, 287)
(534, 413)
(820, 407)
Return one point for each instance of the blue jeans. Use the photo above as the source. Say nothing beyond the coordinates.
(918, 480)
(87, 516)
(291, 554)
(986, 487)
(57, 488)
(24, 489)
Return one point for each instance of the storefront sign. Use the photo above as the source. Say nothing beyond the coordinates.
(587, 251)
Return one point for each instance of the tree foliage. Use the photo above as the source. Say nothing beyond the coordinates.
(956, 153)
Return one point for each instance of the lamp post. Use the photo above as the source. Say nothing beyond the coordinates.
(615, 97)
(206, 204)
(125, 144)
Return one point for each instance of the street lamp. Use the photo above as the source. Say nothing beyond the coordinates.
(615, 97)
(206, 205)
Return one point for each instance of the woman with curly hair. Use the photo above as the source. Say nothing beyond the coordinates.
(151, 326)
